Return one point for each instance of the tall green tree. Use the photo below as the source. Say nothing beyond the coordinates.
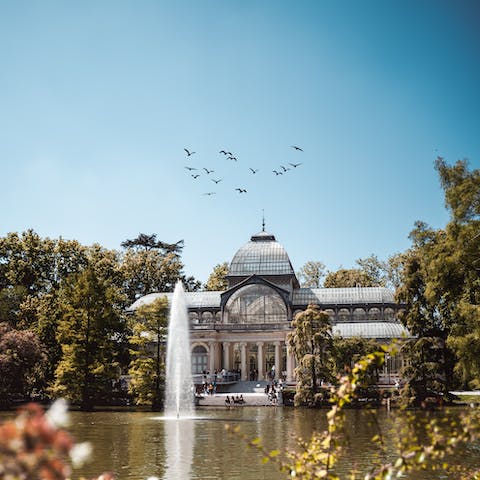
(441, 284)
(49, 314)
(454, 268)
(312, 274)
(149, 265)
(430, 363)
(26, 260)
(30, 267)
(148, 339)
(375, 269)
(441, 288)
(311, 343)
(217, 281)
(89, 329)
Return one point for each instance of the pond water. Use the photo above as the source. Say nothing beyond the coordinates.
(137, 445)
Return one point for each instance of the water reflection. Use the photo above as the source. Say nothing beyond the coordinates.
(179, 438)
(137, 445)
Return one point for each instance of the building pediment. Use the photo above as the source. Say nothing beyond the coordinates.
(254, 280)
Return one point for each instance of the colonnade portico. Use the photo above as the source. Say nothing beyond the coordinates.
(245, 326)
(234, 355)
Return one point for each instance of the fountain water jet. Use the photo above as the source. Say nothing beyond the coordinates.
(179, 382)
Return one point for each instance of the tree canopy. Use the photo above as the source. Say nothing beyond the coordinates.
(311, 343)
(148, 328)
(89, 325)
(312, 274)
(344, 278)
(217, 281)
(440, 287)
(150, 242)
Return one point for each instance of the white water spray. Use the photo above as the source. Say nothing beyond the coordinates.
(179, 382)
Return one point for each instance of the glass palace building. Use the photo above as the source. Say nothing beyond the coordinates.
(244, 328)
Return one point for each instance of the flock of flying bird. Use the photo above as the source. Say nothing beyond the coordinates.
(230, 156)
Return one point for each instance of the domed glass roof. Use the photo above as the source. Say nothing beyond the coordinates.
(262, 255)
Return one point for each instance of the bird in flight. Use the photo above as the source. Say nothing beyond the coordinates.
(296, 148)
(295, 165)
(208, 172)
(189, 152)
(210, 193)
(231, 157)
(241, 190)
(195, 176)
(190, 168)
(277, 173)
(284, 169)
(216, 181)
(253, 171)
(223, 151)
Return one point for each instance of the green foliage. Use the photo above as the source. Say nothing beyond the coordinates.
(318, 457)
(348, 351)
(371, 272)
(312, 274)
(37, 275)
(37, 264)
(150, 242)
(462, 189)
(90, 322)
(347, 278)
(217, 281)
(441, 290)
(49, 315)
(152, 270)
(11, 299)
(311, 343)
(147, 369)
(375, 269)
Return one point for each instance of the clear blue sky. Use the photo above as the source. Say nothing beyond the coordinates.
(99, 98)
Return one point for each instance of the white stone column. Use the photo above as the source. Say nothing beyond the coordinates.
(278, 358)
(226, 355)
(261, 373)
(243, 359)
(211, 357)
(290, 366)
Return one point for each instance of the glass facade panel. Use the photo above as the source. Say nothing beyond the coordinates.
(343, 315)
(207, 317)
(359, 315)
(330, 313)
(389, 314)
(199, 359)
(255, 304)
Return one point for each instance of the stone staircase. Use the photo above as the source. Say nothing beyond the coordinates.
(253, 394)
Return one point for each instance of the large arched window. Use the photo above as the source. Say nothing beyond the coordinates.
(255, 304)
(199, 359)
(359, 315)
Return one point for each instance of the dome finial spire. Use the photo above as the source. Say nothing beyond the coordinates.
(263, 220)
